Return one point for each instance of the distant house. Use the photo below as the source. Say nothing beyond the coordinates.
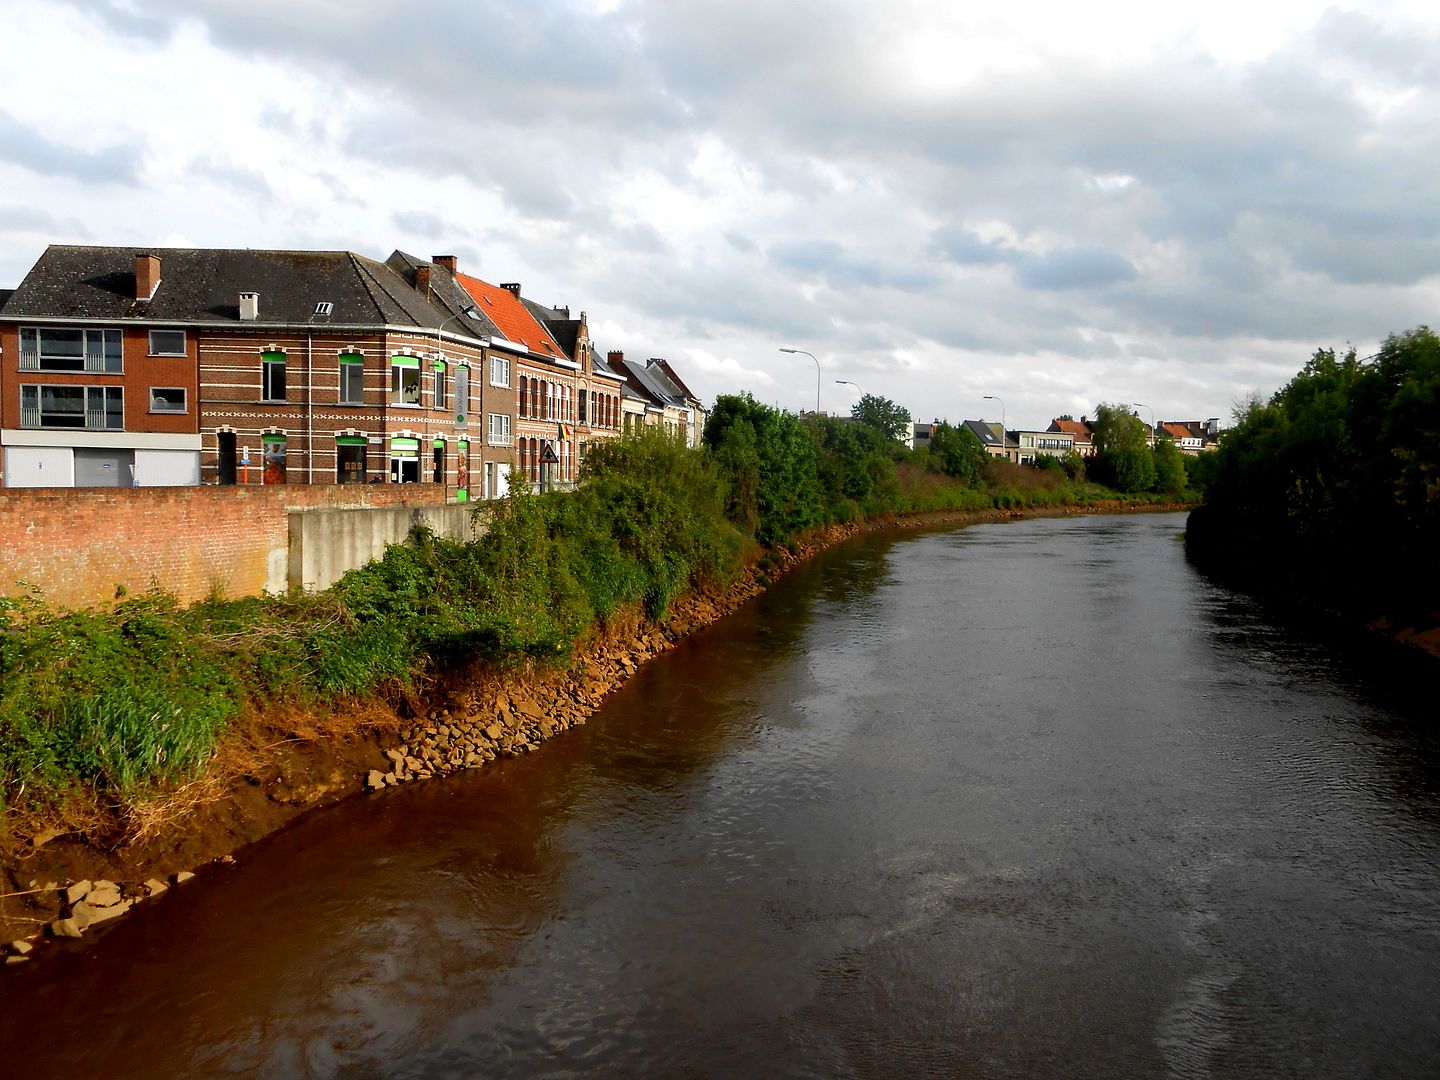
(1192, 436)
(993, 437)
(1036, 444)
(667, 402)
(1081, 434)
(920, 434)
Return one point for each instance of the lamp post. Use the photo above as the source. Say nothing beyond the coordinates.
(812, 356)
(466, 310)
(847, 382)
(1153, 433)
(1003, 449)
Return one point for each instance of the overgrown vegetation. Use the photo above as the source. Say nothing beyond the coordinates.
(115, 701)
(1332, 487)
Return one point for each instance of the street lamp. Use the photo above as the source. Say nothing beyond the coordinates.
(812, 356)
(1153, 433)
(1003, 450)
(466, 310)
(847, 382)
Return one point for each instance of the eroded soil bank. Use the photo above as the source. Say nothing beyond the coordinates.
(276, 766)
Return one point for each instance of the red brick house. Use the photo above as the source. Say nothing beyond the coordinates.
(546, 383)
(98, 382)
(229, 366)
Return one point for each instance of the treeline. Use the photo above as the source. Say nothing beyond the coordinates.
(1332, 487)
(784, 474)
(113, 701)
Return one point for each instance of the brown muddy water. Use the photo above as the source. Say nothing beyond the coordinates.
(1021, 800)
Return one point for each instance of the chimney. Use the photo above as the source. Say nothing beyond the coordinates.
(147, 276)
(249, 306)
(512, 287)
(449, 262)
(614, 357)
(422, 280)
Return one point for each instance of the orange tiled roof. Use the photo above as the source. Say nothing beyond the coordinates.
(512, 317)
(1072, 427)
(1175, 430)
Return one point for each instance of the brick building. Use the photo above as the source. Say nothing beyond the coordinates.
(180, 366)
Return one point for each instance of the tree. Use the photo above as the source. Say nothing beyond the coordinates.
(1169, 466)
(1116, 428)
(768, 460)
(1122, 459)
(957, 452)
(884, 415)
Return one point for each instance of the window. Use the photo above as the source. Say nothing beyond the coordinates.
(524, 396)
(272, 376)
(437, 400)
(274, 458)
(97, 408)
(499, 429)
(404, 380)
(499, 371)
(352, 379)
(405, 460)
(63, 349)
(462, 392)
(581, 417)
(324, 308)
(167, 399)
(167, 343)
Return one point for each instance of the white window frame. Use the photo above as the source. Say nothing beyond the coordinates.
(101, 351)
(268, 375)
(400, 376)
(184, 400)
(94, 401)
(359, 397)
(499, 371)
(498, 430)
(158, 351)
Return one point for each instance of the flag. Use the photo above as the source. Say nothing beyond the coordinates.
(563, 432)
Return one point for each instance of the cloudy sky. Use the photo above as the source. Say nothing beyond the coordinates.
(1054, 204)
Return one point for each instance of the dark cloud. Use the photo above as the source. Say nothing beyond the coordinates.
(964, 246)
(1075, 268)
(25, 146)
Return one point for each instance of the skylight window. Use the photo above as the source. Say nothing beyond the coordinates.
(324, 307)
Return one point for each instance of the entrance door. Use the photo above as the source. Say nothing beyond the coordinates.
(226, 441)
(350, 459)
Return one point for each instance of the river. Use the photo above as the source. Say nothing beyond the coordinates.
(1022, 800)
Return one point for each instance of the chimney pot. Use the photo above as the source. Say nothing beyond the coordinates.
(449, 262)
(147, 276)
(249, 306)
(512, 287)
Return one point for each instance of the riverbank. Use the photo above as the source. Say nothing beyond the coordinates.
(274, 767)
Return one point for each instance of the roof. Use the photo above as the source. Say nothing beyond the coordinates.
(669, 371)
(1079, 428)
(445, 293)
(513, 318)
(203, 285)
(649, 383)
(5, 295)
(987, 433)
(556, 320)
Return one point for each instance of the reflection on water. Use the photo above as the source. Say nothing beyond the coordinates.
(1020, 800)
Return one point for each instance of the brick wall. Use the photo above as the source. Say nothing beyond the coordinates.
(78, 545)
